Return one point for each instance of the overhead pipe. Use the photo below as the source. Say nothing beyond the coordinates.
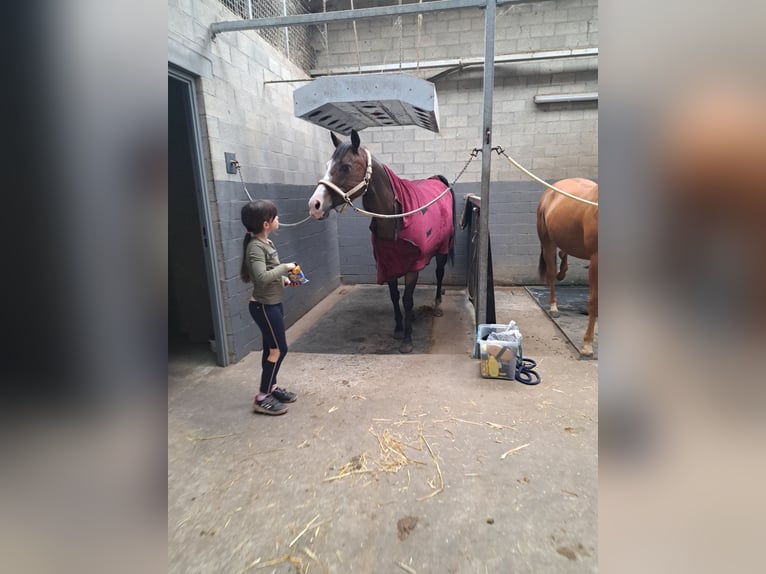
(460, 63)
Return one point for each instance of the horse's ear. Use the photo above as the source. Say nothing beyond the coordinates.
(335, 139)
(355, 141)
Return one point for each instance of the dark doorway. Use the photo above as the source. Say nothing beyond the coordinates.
(190, 314)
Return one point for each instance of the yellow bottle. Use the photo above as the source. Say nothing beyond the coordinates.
(492, 366)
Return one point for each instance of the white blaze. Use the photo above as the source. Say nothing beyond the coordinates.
(319, 203)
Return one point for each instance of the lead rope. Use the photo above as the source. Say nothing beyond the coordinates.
(474, 153)
(236, 164)
(500, 151)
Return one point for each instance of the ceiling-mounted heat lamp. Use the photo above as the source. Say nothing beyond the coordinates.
(359, 101)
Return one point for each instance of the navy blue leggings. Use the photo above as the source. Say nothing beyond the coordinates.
(271, 321)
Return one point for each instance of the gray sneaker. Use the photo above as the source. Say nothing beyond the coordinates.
(269, 406)
(283, 396)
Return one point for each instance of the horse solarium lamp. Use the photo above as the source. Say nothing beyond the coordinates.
(343, 103)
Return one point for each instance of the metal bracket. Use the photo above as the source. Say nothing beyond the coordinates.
(231, 162)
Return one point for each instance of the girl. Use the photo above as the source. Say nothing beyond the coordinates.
(261, 266)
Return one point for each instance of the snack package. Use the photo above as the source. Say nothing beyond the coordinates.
(297, 277)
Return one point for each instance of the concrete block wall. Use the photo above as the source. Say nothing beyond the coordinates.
(280, 155)
(554, 141)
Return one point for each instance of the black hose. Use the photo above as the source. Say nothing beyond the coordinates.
(525, 373)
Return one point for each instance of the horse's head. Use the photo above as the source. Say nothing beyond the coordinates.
(348, 174)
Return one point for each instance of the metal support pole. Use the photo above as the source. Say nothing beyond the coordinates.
(486, 160)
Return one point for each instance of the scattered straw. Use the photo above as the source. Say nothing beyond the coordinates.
(404, 411)
(392, 454)
(303, 531)
(304, 444)
(310, 554)
(360, 397)
(239, 547)
(499, 426)
(345, 474)
(506, 453)
(569, 492)
(200, 438)
(332, 410)
(405, 568)
(253, 563)
(286, 558)
(467, 422)
(438, 470)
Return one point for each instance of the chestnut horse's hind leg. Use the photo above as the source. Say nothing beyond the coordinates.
(547, 269)
(441, 263)
(410, 281)
(393, 289)
(587, 347)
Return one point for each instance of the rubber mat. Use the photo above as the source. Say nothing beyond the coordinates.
(572, 302)
(362, 322)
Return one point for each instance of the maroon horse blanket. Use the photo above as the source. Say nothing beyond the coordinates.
(421, 235)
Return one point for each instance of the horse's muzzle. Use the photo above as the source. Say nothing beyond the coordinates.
(316, 204)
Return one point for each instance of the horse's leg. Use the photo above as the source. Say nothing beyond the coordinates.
(393, 289)
(548, 256)
(441, 262)
(410, 281)
(564, 266)
(587, 347)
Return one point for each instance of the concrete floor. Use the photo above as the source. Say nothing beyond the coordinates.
(453, 473)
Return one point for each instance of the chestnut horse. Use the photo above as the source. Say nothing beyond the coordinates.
(572, 227)
(403, 243)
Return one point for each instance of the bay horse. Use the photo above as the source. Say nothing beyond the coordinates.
(402, 246)
(572, 227)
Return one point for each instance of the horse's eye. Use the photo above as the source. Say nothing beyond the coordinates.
(344, 168)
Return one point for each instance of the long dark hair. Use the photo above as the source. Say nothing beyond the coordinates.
(254, 215)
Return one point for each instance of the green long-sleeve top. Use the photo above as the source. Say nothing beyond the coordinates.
(265, 271)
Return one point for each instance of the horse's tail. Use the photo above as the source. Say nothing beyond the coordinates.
(542, 234)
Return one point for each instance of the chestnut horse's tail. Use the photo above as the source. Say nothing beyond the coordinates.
(542, 268)
(454, 219)
(542, 234)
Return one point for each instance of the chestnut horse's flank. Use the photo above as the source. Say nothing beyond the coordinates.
(402, 244)
(572, 227)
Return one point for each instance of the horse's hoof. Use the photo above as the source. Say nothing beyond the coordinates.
(586, 353)
(399, 334)
(437, 312)
(405, 347)
(554, 314)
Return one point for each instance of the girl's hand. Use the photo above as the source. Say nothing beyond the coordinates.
(286, 281)
(290, 266)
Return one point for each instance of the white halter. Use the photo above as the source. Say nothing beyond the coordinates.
(347, 195)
